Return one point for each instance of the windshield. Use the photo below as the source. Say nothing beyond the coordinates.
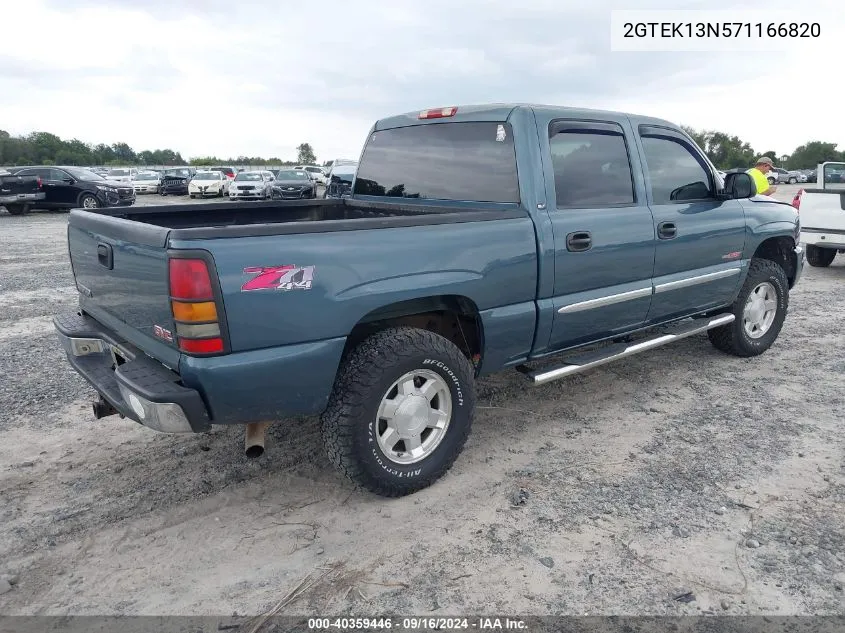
(147, 176)
(177, 172)
(248, 176)
(314, 170)
(84, 174)
(207, 175)
(119, 172)
(345, 173)
(292, 175)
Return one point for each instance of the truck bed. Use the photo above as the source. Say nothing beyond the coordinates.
(238, 219)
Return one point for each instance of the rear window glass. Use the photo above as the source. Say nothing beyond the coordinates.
(443, 161)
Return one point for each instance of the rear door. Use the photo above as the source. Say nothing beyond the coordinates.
(700, 238)
(603, 229)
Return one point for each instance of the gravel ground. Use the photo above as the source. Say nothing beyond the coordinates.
(678, 481)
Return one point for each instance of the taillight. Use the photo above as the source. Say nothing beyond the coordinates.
(796, 201)
(39, 182)
(438, 113)
(194, 307)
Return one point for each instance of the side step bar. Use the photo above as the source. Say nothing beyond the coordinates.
(583, 362)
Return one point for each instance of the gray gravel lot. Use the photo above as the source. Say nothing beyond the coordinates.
(678, 481)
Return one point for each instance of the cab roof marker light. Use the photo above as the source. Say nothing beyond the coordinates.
(438, 113)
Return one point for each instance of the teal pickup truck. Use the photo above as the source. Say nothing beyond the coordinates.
(545, 239)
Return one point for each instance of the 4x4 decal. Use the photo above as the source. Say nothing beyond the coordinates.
(288, 277)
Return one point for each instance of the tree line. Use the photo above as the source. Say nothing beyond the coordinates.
(729, 152)
(43, 148)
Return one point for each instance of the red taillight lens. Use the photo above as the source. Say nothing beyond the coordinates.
(189, 279)
(438, 113)
(194, 307)
(796, 201)
(39, 182)
(201, 345)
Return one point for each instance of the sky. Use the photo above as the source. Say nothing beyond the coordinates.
(239, 77)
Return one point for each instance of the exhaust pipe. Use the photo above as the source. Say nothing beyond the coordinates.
(254, 443)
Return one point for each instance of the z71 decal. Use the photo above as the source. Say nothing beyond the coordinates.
(279, 278)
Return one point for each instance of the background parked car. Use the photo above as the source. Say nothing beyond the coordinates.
(316, 173)
(254, 185)
(147, 182)
(293, 184)
(811, 175)
(122, 174)
(75, 187)
(340, 180)
(208, 183)
(229, 172)
(175, 181)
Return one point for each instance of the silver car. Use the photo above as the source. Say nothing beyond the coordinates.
(251, 185)
(147, 182)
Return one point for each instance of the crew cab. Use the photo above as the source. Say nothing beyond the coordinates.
(545, 239)
(823, 215)
(18, 193)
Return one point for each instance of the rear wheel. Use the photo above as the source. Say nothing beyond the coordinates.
(820, 257)
(400, 412)
(17, 209)
(760, 310)
(793, 180)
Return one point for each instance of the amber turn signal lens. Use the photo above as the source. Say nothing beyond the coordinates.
(204, 311)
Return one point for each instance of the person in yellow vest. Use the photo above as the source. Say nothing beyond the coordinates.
(758, 173)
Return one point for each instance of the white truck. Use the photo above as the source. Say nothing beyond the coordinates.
(822, 214)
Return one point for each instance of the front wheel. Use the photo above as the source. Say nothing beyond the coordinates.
(820, 257)
(792, 181)
(760, 310)
(400, 411)
(89, 201)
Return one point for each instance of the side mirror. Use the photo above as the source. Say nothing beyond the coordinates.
(739, 185)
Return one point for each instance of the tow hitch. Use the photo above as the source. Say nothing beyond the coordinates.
(103, 408)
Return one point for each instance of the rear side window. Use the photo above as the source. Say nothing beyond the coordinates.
(472, 161)
(675, 173)
(591, 169)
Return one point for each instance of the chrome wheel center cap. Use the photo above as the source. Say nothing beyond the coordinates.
(412, 415)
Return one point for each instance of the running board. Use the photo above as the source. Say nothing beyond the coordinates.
(583, 362)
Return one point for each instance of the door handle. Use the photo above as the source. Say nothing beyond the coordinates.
(579, 241)
(105, 255)
(667, 230)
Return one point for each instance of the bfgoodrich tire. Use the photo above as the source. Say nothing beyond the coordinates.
(400, 412)
(820, 257)
(760, 310)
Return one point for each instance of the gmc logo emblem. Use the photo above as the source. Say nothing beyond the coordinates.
(162, 333)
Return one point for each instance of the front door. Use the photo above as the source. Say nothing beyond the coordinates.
(603, 231)
(700, 238)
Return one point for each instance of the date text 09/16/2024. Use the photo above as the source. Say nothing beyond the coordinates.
(414, 624)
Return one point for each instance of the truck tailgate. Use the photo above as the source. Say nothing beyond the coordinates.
(120, 268)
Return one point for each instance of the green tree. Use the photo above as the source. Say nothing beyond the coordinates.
(305, 154)
(809, 155)
(205, 161)
(724, 150)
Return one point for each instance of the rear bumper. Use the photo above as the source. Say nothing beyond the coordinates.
(137, 386)
(823, 238)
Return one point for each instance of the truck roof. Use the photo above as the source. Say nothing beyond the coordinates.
(501, 111)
